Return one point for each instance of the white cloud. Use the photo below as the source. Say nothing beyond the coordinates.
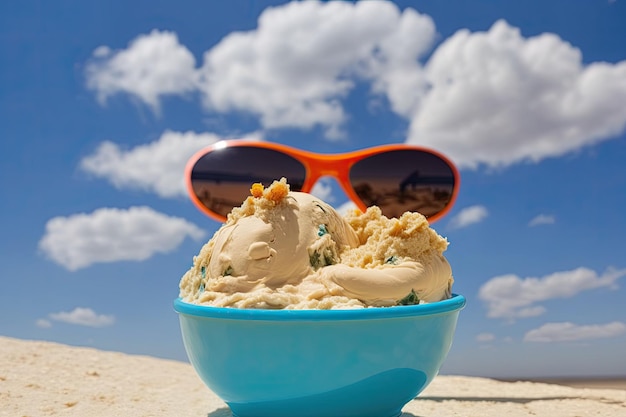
(569, 332)
(292, 71)
(153, 65)
(43, 323)
(468, 216)
(542, 219)
(323, 190)
(102, 52)
(533, 311)
(110, 234)
(485, 337)
(83, 317)
(303, 58)
(494, 97)
(497, 98)
(510, 296)
(346, 207)
(157, 166)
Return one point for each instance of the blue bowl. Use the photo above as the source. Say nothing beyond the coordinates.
(318, 363)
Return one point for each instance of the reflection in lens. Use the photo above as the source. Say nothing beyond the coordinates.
(404, 180)
(221, 179)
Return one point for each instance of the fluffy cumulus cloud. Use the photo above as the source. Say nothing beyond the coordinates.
(490, 98)
(346, 207)
(323, 190)
(303, 58)
(510, 296)
(111, 234)
(43, 323)
(541, 219)
(156, 167)
(485, 337)
(292, 71)
(82, 317)
(497, 98)
(570, 332)
(153, 65)
(468, 216)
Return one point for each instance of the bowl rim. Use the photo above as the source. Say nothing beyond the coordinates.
(454, 303)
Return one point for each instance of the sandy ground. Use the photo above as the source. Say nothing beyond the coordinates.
(48, 379)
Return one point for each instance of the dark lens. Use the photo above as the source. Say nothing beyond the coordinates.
(404, 180)
(222, 178)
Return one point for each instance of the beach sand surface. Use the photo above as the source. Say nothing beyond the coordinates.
(49, 379)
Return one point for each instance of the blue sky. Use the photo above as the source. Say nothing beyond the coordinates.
(102, 104)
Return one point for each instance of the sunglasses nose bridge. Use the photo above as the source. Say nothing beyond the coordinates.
(328, 167)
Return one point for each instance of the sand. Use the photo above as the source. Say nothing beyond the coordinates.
(49, 379)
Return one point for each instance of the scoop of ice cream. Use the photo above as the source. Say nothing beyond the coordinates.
(270, 243)
(284, 249)
(278, 242)
(395, 257)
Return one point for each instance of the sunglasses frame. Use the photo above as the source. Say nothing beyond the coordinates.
(318, 165)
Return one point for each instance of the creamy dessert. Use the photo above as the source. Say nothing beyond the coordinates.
(290, 250)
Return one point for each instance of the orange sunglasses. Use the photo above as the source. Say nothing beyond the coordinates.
(396, 178)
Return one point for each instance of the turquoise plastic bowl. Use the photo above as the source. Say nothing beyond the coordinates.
(318, 363)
